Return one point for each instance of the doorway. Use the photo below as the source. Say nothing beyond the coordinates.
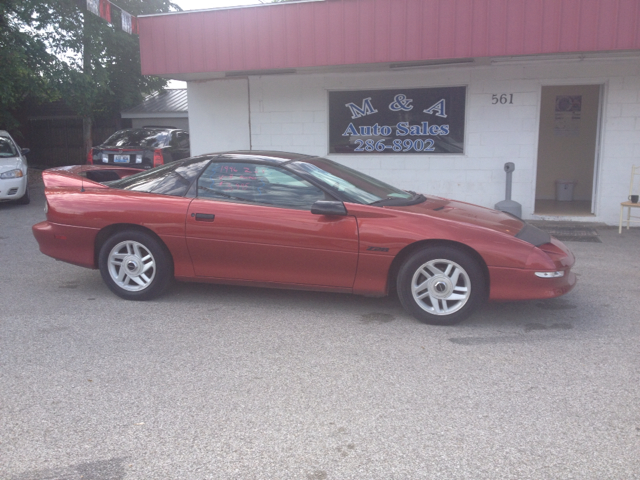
(569, 119)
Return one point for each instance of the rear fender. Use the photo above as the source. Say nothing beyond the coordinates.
(104, 234)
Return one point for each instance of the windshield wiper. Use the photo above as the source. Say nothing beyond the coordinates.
(382, 201)
(399, 202)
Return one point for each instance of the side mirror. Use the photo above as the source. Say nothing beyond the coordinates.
(326, 207)
(25, 150)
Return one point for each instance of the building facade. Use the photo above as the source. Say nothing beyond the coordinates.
(433, 96)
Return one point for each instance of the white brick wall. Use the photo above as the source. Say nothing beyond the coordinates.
(218, 116)
(290, 113)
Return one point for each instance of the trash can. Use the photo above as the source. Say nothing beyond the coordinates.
(564, 190)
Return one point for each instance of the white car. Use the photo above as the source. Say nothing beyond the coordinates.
(13, 171)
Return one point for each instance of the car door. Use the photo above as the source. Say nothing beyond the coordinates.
(253, 222)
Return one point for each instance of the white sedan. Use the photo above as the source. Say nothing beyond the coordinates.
(13, 171)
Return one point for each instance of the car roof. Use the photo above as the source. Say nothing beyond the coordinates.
(139, 129)
(5, 134)
(266, 156)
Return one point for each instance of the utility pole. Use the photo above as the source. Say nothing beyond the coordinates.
(87, 121)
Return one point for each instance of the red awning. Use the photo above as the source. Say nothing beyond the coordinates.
(351, 32)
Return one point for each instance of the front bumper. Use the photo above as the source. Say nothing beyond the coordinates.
(524, 284)
(12, 188)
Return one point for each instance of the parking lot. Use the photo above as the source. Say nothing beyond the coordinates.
(219, 382)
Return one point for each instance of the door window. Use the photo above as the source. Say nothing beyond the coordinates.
(256, 183)
(180, 140)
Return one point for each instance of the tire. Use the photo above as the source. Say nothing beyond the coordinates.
(135, 265)
(24, 199)
(441, 285)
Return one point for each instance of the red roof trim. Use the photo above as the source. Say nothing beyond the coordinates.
(344, 32)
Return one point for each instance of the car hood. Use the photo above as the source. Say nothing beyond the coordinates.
(467, 213)
(10, 163)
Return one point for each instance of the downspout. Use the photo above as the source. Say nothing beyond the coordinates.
(249, 112)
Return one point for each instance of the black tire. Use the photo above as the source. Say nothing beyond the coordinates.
(449, 285)
(135, 265)
(24, 199)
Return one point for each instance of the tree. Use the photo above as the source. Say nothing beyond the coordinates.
(60, 50)
(27, 68)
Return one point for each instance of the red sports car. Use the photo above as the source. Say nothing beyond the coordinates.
(276, 219)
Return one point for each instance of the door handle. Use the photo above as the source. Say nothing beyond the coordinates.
(204, 217)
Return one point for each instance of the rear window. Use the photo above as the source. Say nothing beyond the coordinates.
(147, 137)
(174, 178)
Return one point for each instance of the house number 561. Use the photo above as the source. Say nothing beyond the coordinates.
(503, 99)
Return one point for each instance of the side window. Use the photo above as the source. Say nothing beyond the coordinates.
(259, 184)
(183, 140)
(179, 140)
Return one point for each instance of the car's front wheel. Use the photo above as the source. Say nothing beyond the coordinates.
(135, 265)
(441, 285)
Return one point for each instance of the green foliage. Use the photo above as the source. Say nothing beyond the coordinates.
(26, 67)
(55, 49)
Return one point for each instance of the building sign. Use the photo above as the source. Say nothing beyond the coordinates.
(410, 120)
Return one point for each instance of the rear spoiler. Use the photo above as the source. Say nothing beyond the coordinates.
(84, 176)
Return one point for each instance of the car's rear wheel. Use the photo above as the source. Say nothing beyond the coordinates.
(135, 265)
(441, 285)
(24, 199)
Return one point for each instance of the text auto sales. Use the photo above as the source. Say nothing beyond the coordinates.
(402, 129)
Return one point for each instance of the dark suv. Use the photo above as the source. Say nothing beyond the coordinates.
(144, 148)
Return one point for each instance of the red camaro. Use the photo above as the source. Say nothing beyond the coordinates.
(285, 220)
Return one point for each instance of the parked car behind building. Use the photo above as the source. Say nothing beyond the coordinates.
(143, 148)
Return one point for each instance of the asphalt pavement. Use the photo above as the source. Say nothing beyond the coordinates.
(219, 382)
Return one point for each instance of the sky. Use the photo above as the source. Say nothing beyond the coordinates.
(204, 4)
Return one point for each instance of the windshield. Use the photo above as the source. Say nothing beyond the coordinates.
(174, 178)
(354, 186)
(147, 137)
(7, 148)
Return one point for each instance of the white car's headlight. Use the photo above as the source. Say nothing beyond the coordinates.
(17, 173)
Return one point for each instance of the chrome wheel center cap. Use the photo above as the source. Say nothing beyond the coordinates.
(440, 287)
(132, 264)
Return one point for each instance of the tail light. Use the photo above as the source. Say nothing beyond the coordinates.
(158, 159)
(90, 157)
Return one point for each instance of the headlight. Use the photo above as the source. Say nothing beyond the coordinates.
(17, 173)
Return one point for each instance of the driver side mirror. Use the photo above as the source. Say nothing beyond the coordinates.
(327, 207)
